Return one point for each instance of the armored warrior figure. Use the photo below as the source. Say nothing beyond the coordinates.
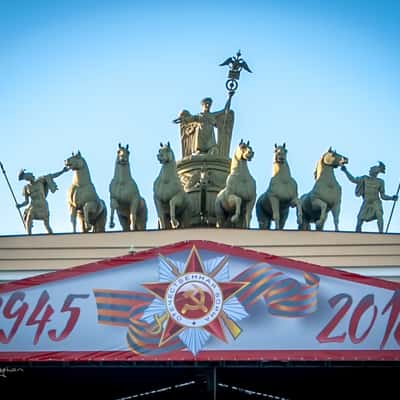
(372, 190)
(36, 190)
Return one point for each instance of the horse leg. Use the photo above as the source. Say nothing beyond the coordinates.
(124, 221)
(73, 214)
(219, 212)
(299, 210)
(248, 212)
(82, 222)
(113, 207)
(275, 211)
(318, 203)
(95, 214)
(162, 221)
(87, 209)
(305, 224)
(283, 217)
(335, 214)
(237, 201)
(172, 207)
(101, 217)
(264, 219)
(133, 209)
(141, 218)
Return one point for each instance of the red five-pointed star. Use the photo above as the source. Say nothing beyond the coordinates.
(194, 265)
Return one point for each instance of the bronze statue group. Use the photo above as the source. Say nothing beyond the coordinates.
(206, 187)
(233, 204)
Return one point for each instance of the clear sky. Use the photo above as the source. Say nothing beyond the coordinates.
(86, 75)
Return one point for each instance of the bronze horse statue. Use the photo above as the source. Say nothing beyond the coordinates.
(125, 197)
(171, 201)
(83, 200)
(326, 194)
(274, 204)
(234, 203)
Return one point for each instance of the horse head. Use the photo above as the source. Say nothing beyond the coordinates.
(244, 151)
(123, 154)
(75, 162)
(165, 153)
(330, 158)
(334, 159)
(280, 153)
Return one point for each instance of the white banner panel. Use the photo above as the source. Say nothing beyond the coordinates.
(199, 300)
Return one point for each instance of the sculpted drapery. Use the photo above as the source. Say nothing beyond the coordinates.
(197, 132)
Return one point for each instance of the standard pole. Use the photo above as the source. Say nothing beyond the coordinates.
(12, 192)
(391, 213)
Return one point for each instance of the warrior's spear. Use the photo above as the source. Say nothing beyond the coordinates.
(12, 192)
(394, 204)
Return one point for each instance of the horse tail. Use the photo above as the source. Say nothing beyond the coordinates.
(142, 215)
(101, 217)
(263, 211)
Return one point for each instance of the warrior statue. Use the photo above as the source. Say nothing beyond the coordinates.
(36, 190)
(372, 190)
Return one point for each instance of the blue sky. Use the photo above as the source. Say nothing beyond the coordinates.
(86, 75)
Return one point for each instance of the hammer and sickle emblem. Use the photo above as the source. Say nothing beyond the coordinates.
(158, 321)
(197, 302)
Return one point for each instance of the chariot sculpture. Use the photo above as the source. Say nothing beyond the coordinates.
(206, 140)
(206, 187)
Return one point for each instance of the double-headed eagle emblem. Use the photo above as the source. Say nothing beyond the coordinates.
(236, 64)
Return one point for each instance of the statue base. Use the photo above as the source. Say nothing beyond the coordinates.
(203, 176)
